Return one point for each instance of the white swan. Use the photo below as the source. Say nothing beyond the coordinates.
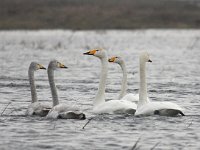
(112, 106)
(148, 107)
(123, 95)
(61, 111)
(36, 108)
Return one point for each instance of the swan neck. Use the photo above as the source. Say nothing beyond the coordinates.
(143, 85)
(32, 85)
(124, 80)
(53, 87)
(100, 97)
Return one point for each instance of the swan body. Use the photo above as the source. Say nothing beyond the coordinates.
(146, 107)
(36, 108)
(60, 111)
(123, 94)
(113, 106)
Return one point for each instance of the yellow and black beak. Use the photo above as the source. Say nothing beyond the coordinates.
(112, 59)
(41, 67)
(149, 60)
(91, 52)
(60, 65)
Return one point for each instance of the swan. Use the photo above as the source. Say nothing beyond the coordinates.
(123, 95)
(112, 106)
(36, 108)
(60, 111)
(149, 107)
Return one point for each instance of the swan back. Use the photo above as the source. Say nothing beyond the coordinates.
(63, 111)
(38, 109)
(159, 108)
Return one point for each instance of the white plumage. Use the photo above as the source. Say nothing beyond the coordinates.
(146, 107)
(112, 106)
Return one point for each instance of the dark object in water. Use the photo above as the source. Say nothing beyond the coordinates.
(72, 115)
(42, 113)
(131, 111)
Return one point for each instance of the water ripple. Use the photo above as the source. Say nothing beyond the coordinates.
(173, 76)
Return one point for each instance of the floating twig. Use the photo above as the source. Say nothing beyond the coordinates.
(5, 108)
(87, 123)
(14, 110)
(155, 146)
(135, 145)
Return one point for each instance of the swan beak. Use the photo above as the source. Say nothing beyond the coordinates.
(112, 59)
(150, 60)
(41, 67)
(61, 65)
(91, 52)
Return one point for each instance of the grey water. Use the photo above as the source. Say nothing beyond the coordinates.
(174, 75)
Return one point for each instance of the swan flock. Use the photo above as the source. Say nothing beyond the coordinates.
(138, 104)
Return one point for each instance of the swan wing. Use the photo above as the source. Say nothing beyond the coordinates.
(39, 109)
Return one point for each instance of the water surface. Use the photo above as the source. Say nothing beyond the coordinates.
(173, 76)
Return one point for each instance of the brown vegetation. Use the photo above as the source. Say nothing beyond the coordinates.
(99, 14)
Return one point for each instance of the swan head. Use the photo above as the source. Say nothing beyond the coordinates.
(35, 66)
(96, 52)
(144, 56)
(116, 59)
(54, 64)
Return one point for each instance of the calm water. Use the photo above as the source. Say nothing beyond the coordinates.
(173, 76)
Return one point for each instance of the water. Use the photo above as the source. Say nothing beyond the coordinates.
(173, 76)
